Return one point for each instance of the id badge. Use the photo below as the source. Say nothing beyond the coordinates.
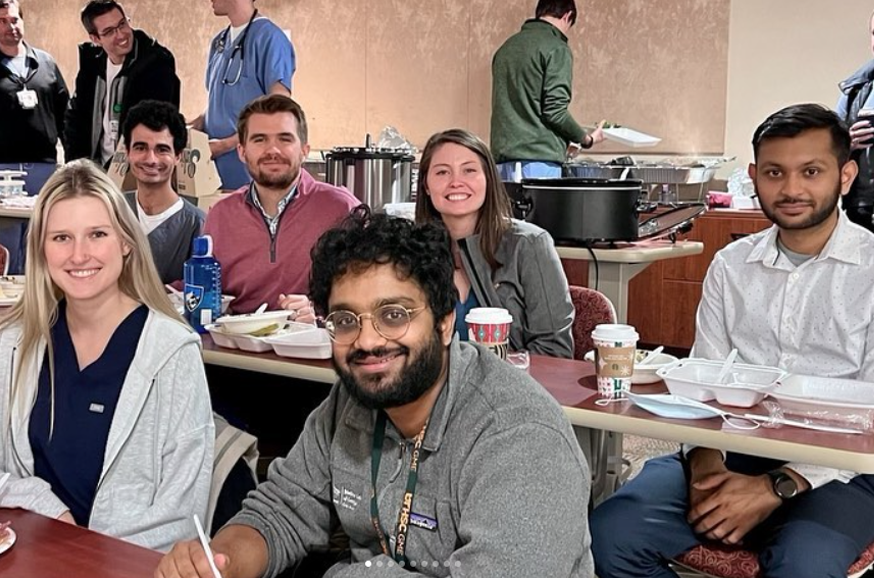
(113, 131)
(27, 99)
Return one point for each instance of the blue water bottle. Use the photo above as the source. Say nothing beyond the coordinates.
(203, 285)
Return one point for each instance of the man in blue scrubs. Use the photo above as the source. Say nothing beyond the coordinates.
(250, 58)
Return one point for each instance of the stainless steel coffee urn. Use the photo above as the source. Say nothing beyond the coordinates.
(376, 176)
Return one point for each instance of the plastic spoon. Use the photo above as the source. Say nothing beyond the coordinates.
(726, 367)
(652, 355)
(261, 309)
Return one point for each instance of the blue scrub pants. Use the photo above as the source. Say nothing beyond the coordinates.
(819, 534)
(510, 171)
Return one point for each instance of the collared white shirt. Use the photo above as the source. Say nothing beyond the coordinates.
(273, 222)
(813, 319)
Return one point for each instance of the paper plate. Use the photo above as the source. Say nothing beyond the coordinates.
(631, 137)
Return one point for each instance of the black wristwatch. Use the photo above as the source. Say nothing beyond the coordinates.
(783, 484)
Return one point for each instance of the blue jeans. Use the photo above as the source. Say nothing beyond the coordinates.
(818, 534)
(510, 171)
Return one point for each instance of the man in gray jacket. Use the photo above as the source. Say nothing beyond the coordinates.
(434, 456)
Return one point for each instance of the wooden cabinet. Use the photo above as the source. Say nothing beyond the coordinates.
(663, 299)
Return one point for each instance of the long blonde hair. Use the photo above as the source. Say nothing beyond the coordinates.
(37, 310)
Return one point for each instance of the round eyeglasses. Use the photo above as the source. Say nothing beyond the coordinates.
(390, 321)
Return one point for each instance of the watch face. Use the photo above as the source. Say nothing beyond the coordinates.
(785, 486)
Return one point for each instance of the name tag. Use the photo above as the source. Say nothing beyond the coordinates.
(423, 522)
(27, 99)
(96, 408)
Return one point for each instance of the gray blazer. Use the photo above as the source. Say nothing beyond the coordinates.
(529, 283)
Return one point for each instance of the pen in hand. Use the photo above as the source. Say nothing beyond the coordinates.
(205, 543)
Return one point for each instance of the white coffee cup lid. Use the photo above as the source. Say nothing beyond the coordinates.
(488, 315)
(615, 332)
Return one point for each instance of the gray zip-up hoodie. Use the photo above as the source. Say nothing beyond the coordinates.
(530, 284)
(503, 487)
(158, 462)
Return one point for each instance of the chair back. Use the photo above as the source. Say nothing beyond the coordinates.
(591, 308)
(233, 473)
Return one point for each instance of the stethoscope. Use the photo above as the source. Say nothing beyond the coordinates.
(239, 46)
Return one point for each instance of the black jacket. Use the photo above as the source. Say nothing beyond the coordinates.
(148, 72)
(857, 88)
(31, 136)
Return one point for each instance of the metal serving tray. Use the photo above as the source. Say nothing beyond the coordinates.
(649, 174)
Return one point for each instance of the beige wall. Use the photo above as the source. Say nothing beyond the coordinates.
(788, 51)
(423, 65)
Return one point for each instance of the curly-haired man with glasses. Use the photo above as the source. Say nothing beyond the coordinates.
(434, 456)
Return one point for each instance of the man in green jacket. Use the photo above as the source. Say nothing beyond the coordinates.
(531, 90)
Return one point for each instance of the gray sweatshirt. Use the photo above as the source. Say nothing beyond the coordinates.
(158, 462)
(530, 284)
(501, 477)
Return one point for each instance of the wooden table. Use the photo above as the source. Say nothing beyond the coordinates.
(617, 267)
(575, 388)
(47, 548)
(572, 383)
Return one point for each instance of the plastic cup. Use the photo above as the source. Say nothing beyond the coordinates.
(615, 346)
(490, 327)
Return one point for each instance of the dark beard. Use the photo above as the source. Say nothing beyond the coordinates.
(815, 219)
(283, 181)
(415, 379)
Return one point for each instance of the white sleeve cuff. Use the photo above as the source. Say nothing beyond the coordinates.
(818, 476)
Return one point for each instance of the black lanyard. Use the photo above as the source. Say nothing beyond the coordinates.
(403, 526)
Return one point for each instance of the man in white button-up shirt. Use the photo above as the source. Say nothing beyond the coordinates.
(799, 295)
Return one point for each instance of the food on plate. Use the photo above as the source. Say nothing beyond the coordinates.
(4, 530)
(265, 331)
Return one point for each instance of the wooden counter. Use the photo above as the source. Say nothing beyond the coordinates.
(664, 298)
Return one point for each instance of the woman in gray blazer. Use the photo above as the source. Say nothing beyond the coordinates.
(499, 261)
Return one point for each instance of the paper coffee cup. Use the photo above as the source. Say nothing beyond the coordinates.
(615, 346)
(490, 327)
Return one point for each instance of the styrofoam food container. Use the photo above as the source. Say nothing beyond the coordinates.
(221, 338)
(250, 342)
(237, 340)
(249, 322)
(648, 373)
(746, 385)
(305, 344)
(644, 374)
(833, 396)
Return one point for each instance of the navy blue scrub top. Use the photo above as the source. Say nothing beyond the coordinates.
(85, 402)
(461, 310)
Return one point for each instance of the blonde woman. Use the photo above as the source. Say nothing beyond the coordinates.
(107, 419)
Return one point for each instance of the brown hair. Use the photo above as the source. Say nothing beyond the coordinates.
(96, 8)
(272, 104)
(7, 3)
(494, 216)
